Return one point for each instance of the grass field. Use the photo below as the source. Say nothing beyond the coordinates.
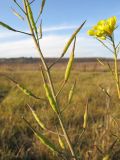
(17, 142)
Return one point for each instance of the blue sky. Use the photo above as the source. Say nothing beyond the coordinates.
(60, 19)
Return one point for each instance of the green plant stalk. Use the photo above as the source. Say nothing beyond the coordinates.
(117, 75)
(116, 71)
(51, 84)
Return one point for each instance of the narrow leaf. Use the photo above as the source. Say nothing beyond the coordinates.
(71, 39)
(7, 26)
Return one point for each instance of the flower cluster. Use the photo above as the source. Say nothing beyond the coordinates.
(104, 28)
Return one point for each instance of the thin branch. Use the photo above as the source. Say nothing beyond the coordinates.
(31, 2)
(50, 66)
(29, 34)
(61, 88)
(54, 133)
(104, 45)
(117, 45)
(19, 6)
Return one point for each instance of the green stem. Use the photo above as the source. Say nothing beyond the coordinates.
(116, 71)
(117, 76)
(51, 86)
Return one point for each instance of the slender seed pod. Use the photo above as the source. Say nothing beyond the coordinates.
(43, 139)
(71, 39)
(41, 9)
(71, 92)
(40, 30)
(85, 116)
(23, 89)
(46, 142)
(41, 124)
(50, 98)
(107, 157)
(61, 143)
(26, 91)
(70, 62)
(31, 18)
(7, 26)
(42, 6)
(17, 14)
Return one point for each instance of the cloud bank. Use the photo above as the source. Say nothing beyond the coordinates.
(15, 45)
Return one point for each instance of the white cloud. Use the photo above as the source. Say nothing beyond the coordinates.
(52, 46)
(16, 45)
(59, 28)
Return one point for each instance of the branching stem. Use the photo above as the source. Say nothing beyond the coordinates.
(51, 84)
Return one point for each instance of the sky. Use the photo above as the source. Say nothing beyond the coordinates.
(60, 19)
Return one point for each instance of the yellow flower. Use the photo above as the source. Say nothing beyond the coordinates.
(104, 28)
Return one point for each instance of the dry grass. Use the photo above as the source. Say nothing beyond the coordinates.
(17, 140)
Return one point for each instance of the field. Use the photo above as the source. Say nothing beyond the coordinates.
(17, 141)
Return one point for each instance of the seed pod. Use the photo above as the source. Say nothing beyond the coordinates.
(46, 142)
(41, 124)
(30, 15)
(50, 98)
(71, 92)
(7, 26)
(70, 62)
(42, 6)
(107, 157)
(71, 39)
(85, 116)
(40, 30)
(43, 139)
(61, 143)
(26, 91)
(17, 14)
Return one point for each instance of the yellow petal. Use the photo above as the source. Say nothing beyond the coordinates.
(108, 30)
(100, 27)
(112, 21)
(102, 38)
(91, 32)
(101, 22)
(99, 33)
